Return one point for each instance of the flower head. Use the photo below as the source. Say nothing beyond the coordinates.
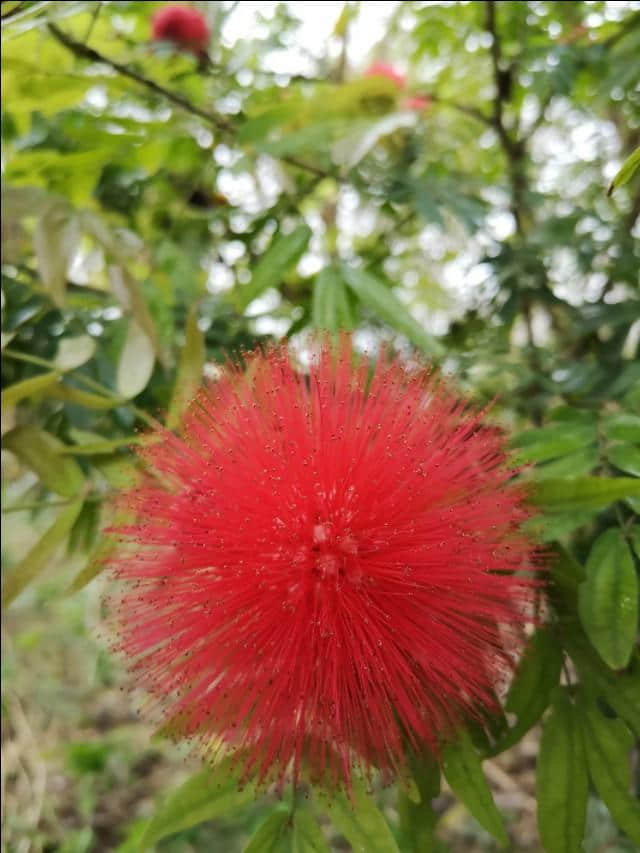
(383, 69)
(417, 102)
(324, 568)
(187, 28)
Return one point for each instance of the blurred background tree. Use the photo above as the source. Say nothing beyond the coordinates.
(169, 200)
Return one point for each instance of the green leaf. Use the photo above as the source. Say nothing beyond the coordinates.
(557, 525)
(73, 352)
(463, 771)
(634, 538)
(356, 144)
(69, 394)
(284, 252)
(537, 675)
(330, 307)
(55, 241)
(118, 471)
(103, 548)
(566, 571)
(83, 532)
(620, 692)
(307, 835)
(583, 493)
(189, 375)
(41, 554)
(42, 452)
(626, 457)
(208, 794)
(562, 780)
(360, 820)
(127, 291)
(608, 598)
(626, 172)
(387, 307)
(608, 745)
(417, 816)
(12, 394)
(272, 834)
(101, 446)
(574, 465)
(622, 427)
(550, 442)
(136, 362)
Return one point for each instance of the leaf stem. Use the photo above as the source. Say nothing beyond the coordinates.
(85, 380)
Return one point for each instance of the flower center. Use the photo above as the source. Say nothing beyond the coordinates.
(334, 557)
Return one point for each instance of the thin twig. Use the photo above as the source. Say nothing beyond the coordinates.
(85, 380)
(6, 16)
(222, 124)
(464, 109)
(92, 22)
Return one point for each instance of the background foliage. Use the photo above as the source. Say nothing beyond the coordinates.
(160, 211)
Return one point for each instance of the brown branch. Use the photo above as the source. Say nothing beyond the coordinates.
(502, 78)
(626, 27)
(472, 112)
(6, 16)
(219, 122)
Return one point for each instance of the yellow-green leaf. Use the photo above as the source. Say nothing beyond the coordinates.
(307, 835)
(626, 172)
(273, 834)
(462, 768)
(189, 374)
(136, 362)
(12, 394)
(41, 555)
(43, 453)
(69, 394)
(208, 794)
(73, 352)
(360, 820)
(103, 548)
(55, 241)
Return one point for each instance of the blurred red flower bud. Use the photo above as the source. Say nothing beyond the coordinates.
(417, 102)
(383, 69)
(187, 28)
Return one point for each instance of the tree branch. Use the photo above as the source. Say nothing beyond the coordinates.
(219, 122)
(478, 115)
(6, 16)
(514, 149)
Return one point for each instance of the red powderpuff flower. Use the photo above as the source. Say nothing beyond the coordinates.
(417, 102)
(324, 570)
(186, 28)
(383, 69)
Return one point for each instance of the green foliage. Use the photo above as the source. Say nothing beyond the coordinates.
(212, 792)
(608, 599)
(161, 214)
(358, 818)
(627, 171)
(462, 768)
(562, 779)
